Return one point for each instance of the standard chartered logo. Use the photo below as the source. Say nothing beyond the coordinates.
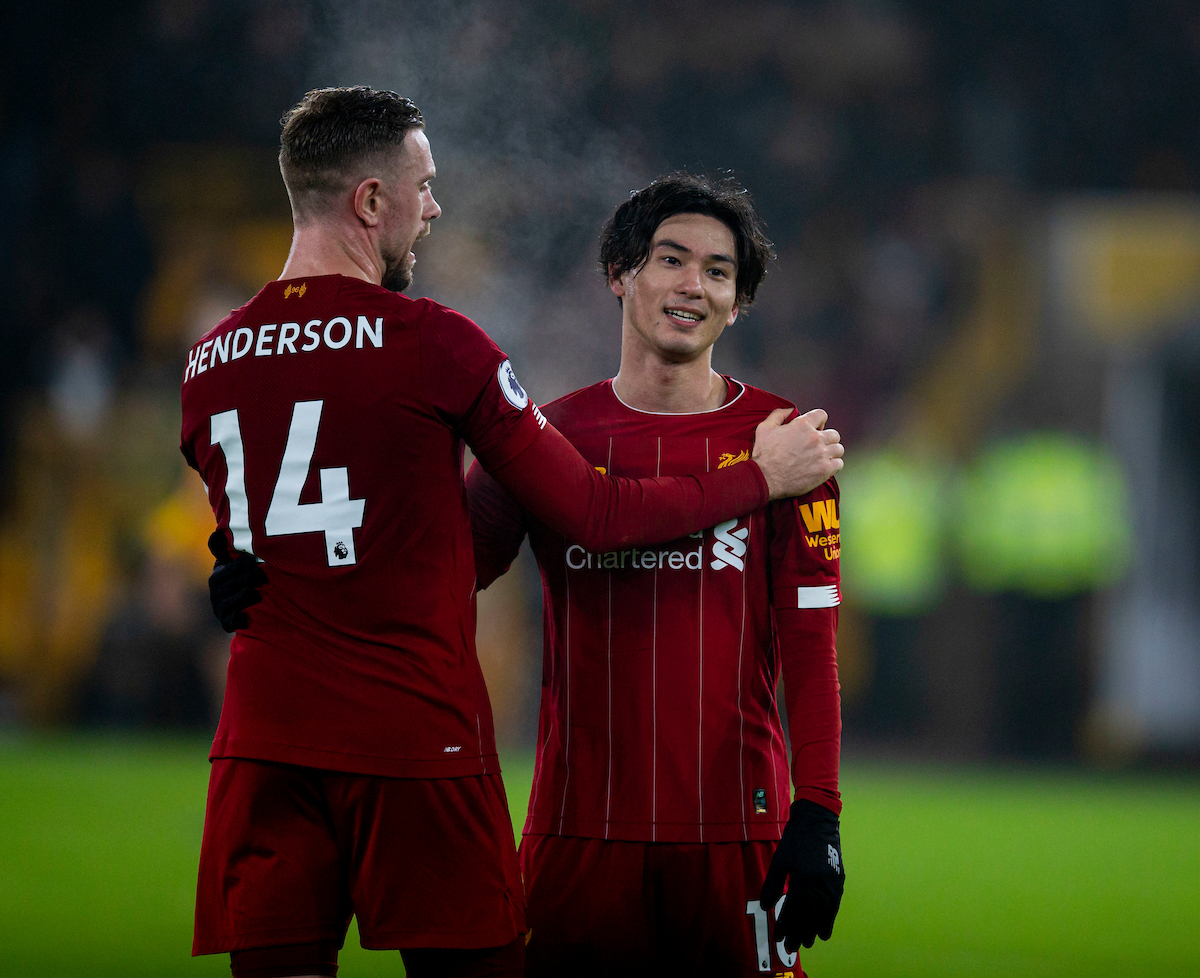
(730, 545)
(635, 559)
(728, 549)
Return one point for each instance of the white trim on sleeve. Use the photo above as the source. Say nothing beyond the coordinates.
(823, 596)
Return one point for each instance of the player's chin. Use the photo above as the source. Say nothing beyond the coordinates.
(398, 276)
(683, 347)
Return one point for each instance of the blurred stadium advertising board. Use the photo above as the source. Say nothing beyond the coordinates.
(1124, 275)
(1127, 269)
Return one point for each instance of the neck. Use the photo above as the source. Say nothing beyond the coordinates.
(648, 382)
(320, 250)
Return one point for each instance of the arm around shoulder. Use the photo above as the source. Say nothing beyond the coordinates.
(554, 483)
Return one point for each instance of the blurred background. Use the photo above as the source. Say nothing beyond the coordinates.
(989, 274)
(988, 237)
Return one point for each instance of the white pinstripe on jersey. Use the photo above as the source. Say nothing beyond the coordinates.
(608, 642)
(654, 681)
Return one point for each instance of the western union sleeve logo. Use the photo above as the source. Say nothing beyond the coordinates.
(821, 520)
(820, 515)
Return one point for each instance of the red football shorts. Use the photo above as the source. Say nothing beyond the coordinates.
(290, 852)
(645, 908)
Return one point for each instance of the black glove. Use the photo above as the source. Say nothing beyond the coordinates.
(233, 584)
(809, 857)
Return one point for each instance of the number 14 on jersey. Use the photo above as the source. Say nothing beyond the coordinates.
(336, 515)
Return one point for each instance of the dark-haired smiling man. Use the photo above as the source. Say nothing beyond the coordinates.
(661, 789)
(354, 767)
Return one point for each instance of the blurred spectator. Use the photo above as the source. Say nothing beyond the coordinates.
(81, 376)
(162, 657)
(895, 569)
(153, 668)
(106, 247)
(898, 294)
(1044, 521)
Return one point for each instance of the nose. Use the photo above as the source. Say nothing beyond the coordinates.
(432, 210)
(690, 282)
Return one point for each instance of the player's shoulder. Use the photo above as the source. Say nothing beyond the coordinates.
(438, 326)
(228, 322)
(593, 402)
(583, 398)
(756, 401)
(434, 312)
(751, 398)
(418, 311)
(455, 350)
(442, 323)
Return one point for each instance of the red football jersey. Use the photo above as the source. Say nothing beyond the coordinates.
(658, 716)
(327, 417)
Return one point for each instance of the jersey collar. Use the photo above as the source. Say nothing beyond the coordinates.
(736, 385)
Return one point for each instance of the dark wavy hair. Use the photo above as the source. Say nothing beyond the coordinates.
(330, 133)
(625, 240)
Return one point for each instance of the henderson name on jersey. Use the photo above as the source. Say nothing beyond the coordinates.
(658, 717)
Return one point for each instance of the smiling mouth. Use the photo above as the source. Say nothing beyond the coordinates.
(685, 316)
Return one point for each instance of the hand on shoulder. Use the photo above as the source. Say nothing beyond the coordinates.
(798, 456)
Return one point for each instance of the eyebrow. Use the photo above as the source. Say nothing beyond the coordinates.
(676, 246)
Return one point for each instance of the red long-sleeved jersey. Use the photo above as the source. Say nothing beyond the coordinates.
(658, 716)
(327, 417)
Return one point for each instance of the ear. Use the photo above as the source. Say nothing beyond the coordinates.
(733, 314)
(617, 283)
(368, 201)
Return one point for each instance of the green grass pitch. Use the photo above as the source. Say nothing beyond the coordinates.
(951, 872)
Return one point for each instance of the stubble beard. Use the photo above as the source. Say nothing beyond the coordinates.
(397, 273)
